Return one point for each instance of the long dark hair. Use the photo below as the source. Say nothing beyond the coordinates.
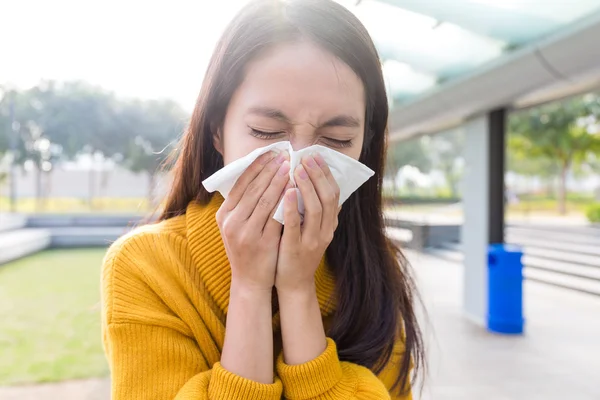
(374, 291)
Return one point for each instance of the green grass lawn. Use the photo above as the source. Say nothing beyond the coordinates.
(50, 317)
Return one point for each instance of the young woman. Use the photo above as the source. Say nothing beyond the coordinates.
(220, 301)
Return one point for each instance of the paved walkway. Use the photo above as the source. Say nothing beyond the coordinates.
(557, 359)
(89, 389)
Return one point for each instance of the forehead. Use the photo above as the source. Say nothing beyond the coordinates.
(303, 81)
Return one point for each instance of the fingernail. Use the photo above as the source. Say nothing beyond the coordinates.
(302, 172)
(280, 158)
(319, 159)
(284, 169)
(269, 156)
(291, 195)
(310, 161)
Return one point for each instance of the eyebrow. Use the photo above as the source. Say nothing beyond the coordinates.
(270, 113)
(339, 120)
(342, 120)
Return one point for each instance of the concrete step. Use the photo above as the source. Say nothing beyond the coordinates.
(399, 235)
(568, 276)
(86, 221)
(22, 242)
(454, 246)
(563, 281)
(563, 256)
(553, 244)
(554, 236)
(571, 257)
(85, 237)
(586, 230)
(564, 268)
(11, 222)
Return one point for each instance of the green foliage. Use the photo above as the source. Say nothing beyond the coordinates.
(59, 121)
(153, 127)
(593, 213)
(440, 151)
(519, 158)
(446, 152)
(409, 152)
(557, 131)
(5, 124)
(77, 118)
(555, 139)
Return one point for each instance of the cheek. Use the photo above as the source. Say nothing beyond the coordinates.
(237, 142)
(237, 145)
(355, 150)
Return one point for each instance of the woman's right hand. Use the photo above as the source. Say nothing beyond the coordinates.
(250, 234)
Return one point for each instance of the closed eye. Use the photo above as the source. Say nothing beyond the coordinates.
(266, 134)
(337, 142)
(271, 135)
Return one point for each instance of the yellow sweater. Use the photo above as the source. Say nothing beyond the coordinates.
(165, 293)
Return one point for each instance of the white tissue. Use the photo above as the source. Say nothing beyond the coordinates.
(348, 173)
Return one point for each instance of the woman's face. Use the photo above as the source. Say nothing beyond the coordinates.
(295, 92)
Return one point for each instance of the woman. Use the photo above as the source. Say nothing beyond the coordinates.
(218, 300)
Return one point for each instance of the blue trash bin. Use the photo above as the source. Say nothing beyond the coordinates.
(505, 289)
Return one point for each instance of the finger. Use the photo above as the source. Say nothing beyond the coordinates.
(313, 211)
(255, 190)
(328, 174)
(270, 198)
(326, 193)
(273, 227)
(327, 171)
(291, 217)
(246, 178)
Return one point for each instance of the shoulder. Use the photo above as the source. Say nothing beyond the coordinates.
(137, 257)
(145, 241)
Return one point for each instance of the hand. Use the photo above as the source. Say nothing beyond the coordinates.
(303, 245)
(250, 235)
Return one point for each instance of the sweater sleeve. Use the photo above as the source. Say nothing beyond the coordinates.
(151, 353)
(326, 377)
(151, 362)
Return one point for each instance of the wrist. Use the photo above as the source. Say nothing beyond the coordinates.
(302, 331)
(245, 290)
(299, 292)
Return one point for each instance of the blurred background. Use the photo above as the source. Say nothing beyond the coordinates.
(494, 137)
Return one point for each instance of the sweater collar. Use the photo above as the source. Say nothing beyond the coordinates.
(209, 256)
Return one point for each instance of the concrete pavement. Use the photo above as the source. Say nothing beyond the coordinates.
(558, 358)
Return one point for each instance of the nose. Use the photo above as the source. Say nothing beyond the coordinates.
(300, 140)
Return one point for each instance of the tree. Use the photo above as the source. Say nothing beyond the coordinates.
(402, 153)
(562, 132)
(57, 121)
(151, 127)
(77, 115)
(446, 152)
(6, 130)
(520, 161)
(76, 118)
(31, 144)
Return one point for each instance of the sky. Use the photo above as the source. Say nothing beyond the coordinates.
(152, 49)
(161, 48)
(145, 49)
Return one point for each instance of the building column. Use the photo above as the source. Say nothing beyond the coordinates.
(483, 205)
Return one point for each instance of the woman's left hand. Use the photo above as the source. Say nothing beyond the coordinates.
(303, 244)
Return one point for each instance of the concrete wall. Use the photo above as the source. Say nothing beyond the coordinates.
(61, 182)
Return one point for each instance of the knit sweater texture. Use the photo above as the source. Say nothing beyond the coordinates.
(165, 293)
